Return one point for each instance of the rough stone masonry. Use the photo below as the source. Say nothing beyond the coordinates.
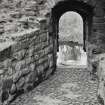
(25, 61)
(28, 48)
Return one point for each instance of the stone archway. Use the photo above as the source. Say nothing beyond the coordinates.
(59, 9)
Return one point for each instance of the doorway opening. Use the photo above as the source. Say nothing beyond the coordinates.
(71, 41)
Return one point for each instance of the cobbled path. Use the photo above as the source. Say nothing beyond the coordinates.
(68, 86)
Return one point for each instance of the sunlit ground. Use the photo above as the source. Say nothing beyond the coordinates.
(67, 58)
(71, 30)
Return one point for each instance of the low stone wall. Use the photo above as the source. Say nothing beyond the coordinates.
(25, 60)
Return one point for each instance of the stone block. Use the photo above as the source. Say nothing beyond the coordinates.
(1, 72)
(29, 60)
(10, 71)
(17, 76)
(32, 66)
(30, 13)
(20, 65)
(45, 44)
(41, 45)
(39, 54)
(5, 52)
(48, 72)
(43, 59)
(38, 47)
(50, 60)
(43, 37)
(46, 65)
(43, 23)
(13, 89)
(35, 40)
(15, 15)
(48, 49)
(20, 45)
(41, 20)
(20, 54)
(25, 71)
(98, 19)
(32, 77)
(31, 51)
(28, 87)
(2, 64)
(40, 69)
(25, 34)
(45, 13)
(51, 48)
(20, 84)
(7, 63)
(50, 40)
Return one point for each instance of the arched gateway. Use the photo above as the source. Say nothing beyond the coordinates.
(61, 7)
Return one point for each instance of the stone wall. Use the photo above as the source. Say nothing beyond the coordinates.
(26, 59)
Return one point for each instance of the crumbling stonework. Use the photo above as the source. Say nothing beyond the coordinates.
(25, 61)
(29, 41)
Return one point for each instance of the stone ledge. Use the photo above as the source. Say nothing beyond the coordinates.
(25, 34)
(6, 45)
(5, 49)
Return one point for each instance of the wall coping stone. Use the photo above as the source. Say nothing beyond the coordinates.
(41, 19)
(21, 35)
(6, 45)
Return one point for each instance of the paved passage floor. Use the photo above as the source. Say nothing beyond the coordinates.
(68, 86)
